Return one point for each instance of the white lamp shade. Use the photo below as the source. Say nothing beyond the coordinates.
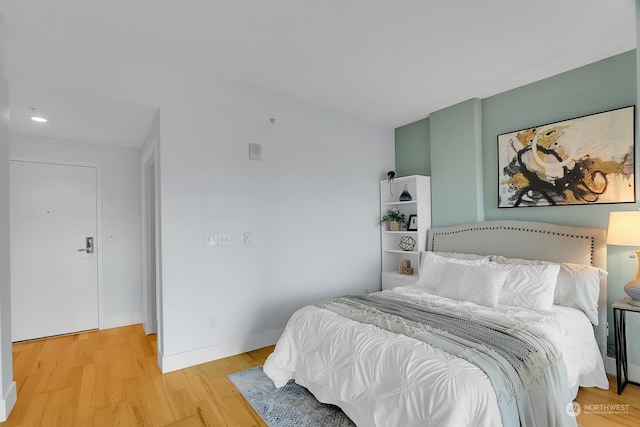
(624, 228)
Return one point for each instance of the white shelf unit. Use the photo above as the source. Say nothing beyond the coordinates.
(420, 189)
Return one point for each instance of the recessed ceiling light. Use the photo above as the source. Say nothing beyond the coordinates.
(37, 118)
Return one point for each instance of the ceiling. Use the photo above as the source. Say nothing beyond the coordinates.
(78, 116)
(385, 62)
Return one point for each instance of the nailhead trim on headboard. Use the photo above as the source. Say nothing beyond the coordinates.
(570, 245)
(502, 227)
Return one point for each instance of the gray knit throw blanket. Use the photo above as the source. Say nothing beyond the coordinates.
(526, 370)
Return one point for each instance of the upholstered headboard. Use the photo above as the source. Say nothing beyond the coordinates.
(531, 240)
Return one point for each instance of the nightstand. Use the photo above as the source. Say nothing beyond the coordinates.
(620, 309)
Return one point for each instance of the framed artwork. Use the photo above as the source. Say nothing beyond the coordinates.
(412, 224)
(581, 161)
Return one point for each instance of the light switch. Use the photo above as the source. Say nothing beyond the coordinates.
(223, 239)
(248, 238)
(211, 239)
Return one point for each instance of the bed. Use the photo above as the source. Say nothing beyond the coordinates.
(436, 352)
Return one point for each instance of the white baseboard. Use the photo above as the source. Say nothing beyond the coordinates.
(123, 320)
(633, 370)
(215, 352)
(8, 401)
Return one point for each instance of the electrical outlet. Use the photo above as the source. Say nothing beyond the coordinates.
(223, 239)
(212, 321)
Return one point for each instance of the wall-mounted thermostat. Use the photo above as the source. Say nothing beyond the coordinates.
(255, 151)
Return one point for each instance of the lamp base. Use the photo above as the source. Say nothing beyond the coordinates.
(633, 290)
(632, 301)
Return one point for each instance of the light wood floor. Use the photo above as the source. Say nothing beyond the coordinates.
(110, 378)
(605, 408)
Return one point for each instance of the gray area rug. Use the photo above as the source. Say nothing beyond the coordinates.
(291, 405)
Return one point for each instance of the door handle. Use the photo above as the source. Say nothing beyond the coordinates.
(89, 248)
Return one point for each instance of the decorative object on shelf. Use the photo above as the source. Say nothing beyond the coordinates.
(405, 267)
(390, 253)
(412, 224)
(405, 196)
(407, 243)
(395, 218)
(624, 230)
(581, 161)
(390, 176)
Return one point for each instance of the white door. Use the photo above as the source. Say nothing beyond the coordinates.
(54, 274)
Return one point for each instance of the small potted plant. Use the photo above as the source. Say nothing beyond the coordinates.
(395, 218)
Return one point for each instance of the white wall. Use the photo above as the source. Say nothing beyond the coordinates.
(121, 299)
(7, 385)
(311, 203)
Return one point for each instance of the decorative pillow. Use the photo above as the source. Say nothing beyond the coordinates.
(479, 284)
(433, 268)
(578, 285)
(530, 286)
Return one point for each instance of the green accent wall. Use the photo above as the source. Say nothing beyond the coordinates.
(449, 138)
(413, 156)
(601, 86)
(452, 140)
(456, 164)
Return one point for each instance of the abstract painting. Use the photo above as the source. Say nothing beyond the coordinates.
(581, 161)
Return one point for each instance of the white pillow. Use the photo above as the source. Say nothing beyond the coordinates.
(578, 285)
(529, 286)
(433, 268)
(479, 284)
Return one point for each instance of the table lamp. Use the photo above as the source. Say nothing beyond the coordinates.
(624, 230)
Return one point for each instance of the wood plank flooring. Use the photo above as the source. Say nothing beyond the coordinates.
(110, 378)
(605, 408)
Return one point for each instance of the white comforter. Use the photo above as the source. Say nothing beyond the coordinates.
(379, 378)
